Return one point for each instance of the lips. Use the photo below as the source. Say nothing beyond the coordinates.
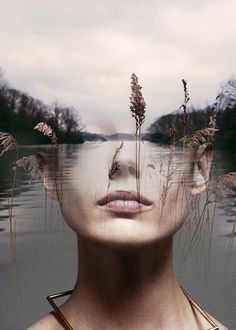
(125, 201)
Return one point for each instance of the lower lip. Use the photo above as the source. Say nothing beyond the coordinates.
(129, 206)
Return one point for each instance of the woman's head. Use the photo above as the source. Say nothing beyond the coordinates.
(116, 207)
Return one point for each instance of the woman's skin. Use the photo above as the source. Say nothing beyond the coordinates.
(126, 278)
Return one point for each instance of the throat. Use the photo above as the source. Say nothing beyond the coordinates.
(126, 272)
(113, 284)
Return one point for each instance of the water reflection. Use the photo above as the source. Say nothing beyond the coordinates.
(37, 217)
(26, 193)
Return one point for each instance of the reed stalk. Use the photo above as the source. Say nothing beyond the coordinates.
(138, 109)
(8, 142)
(183, 106)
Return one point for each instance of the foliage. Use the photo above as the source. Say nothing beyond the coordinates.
(19, 113)
(221, 117)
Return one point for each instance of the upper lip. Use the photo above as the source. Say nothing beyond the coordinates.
(124, 195)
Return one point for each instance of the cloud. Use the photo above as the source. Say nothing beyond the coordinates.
(83, 53)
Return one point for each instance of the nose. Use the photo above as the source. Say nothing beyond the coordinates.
(123, 163)
(125, 169)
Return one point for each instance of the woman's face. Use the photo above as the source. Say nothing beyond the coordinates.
(122, 210)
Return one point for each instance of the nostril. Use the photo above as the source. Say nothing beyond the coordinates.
(131, 170)
(118, 172)
(115, 171)
(151, 166)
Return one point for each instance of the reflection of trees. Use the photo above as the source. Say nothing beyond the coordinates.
(224, 162)
(6, 176)
(228, 206)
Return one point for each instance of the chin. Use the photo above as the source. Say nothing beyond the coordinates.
(123, 233)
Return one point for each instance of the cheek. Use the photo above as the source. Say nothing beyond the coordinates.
(175, 209)
(76, 204)
(78, 199)
(170, 196)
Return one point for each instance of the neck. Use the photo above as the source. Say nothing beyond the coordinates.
(134, 282)
(122, 273)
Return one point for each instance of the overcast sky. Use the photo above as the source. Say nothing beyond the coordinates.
(82, 53)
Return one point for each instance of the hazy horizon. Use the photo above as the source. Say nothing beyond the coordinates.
(83, 54)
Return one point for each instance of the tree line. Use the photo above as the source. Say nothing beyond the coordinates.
(199, 118)
(20, 112)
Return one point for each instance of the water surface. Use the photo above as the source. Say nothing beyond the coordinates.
(46, 260)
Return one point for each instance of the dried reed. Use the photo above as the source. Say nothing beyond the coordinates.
(199, 137)
(115, 164)
(172, 133)
(9, 143)
(224, 184)
(185, 116)
(170, 169)
(47, 130)
(212, 120)
(138, 109)
(206, 134)
(138, 105)
(31, 165)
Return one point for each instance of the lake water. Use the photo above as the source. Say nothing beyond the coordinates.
(46, 259)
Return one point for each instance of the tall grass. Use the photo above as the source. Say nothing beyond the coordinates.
(183, 106)
(138, 109)
(8, 142)
(114, 168)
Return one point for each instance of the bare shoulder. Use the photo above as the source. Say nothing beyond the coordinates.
(49, 322)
